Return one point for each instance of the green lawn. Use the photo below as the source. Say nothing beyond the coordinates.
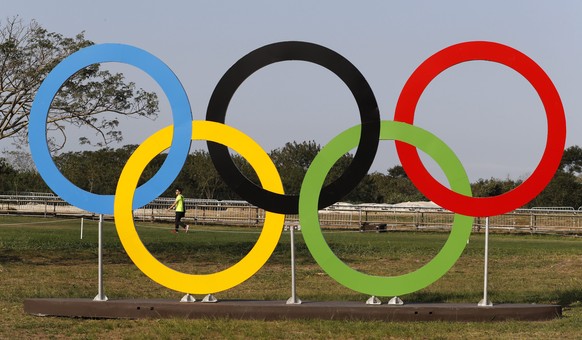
(46, 258)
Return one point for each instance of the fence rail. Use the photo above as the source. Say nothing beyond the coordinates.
(379, 217)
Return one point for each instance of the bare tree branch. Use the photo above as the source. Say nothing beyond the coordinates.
(29, 52)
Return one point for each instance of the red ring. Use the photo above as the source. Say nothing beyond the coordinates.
(544, 172)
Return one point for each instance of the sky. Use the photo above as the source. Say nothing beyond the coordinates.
(488, 114)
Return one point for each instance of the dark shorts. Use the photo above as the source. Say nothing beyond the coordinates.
(179, 215)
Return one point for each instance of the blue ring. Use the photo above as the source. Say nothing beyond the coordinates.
(181, 114)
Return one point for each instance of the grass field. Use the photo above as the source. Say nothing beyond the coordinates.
(46, 258)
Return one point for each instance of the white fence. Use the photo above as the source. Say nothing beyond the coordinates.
(379, 217)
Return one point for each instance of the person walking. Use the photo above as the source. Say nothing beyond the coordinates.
(180, 211)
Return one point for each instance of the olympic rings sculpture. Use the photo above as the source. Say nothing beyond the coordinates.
(313, 196)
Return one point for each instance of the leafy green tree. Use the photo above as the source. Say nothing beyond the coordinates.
(199, 178)
(493, 187)
(7, 175)
(29, 181)
(93, 171)
(28, 52)
(396, 187)
(366, 192)
(572, 160)
(565, 189)
(294, 159)
(19, 179)
(98, 171)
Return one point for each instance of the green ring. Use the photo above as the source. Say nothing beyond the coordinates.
(371, 284)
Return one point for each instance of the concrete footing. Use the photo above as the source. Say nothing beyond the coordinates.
(279, 310)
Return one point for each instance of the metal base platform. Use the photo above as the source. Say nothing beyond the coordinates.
(279, 310)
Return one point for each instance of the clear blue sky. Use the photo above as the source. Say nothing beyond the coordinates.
(488, 114)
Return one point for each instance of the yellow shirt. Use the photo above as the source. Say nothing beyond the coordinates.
(180, 203)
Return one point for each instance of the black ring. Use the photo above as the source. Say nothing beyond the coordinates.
(340, 66)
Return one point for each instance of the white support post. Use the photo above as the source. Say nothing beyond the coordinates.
(485, 301)
(373, 301)
(293, 300)
(210, 299)
(81, 228)
(396, 301)
(100, 295)
(188, 298)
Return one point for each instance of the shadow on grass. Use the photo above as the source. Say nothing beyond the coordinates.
(560, 297)
(4, 258)
(436, 297)
(569, 297)
(564, 298)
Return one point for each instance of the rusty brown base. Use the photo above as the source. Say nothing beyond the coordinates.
(279, 310)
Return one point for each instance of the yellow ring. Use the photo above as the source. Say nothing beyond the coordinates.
(193, 283)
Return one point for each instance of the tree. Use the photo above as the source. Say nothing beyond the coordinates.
(28, 53)
(99, 171)
(7, 174)
(199, 178)
(294, 159)
(565, 189)
(19, 178)
(396, 187)
(93, 171)
(572, 160)
(20, 160)
(493, 187)
(365, 192)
